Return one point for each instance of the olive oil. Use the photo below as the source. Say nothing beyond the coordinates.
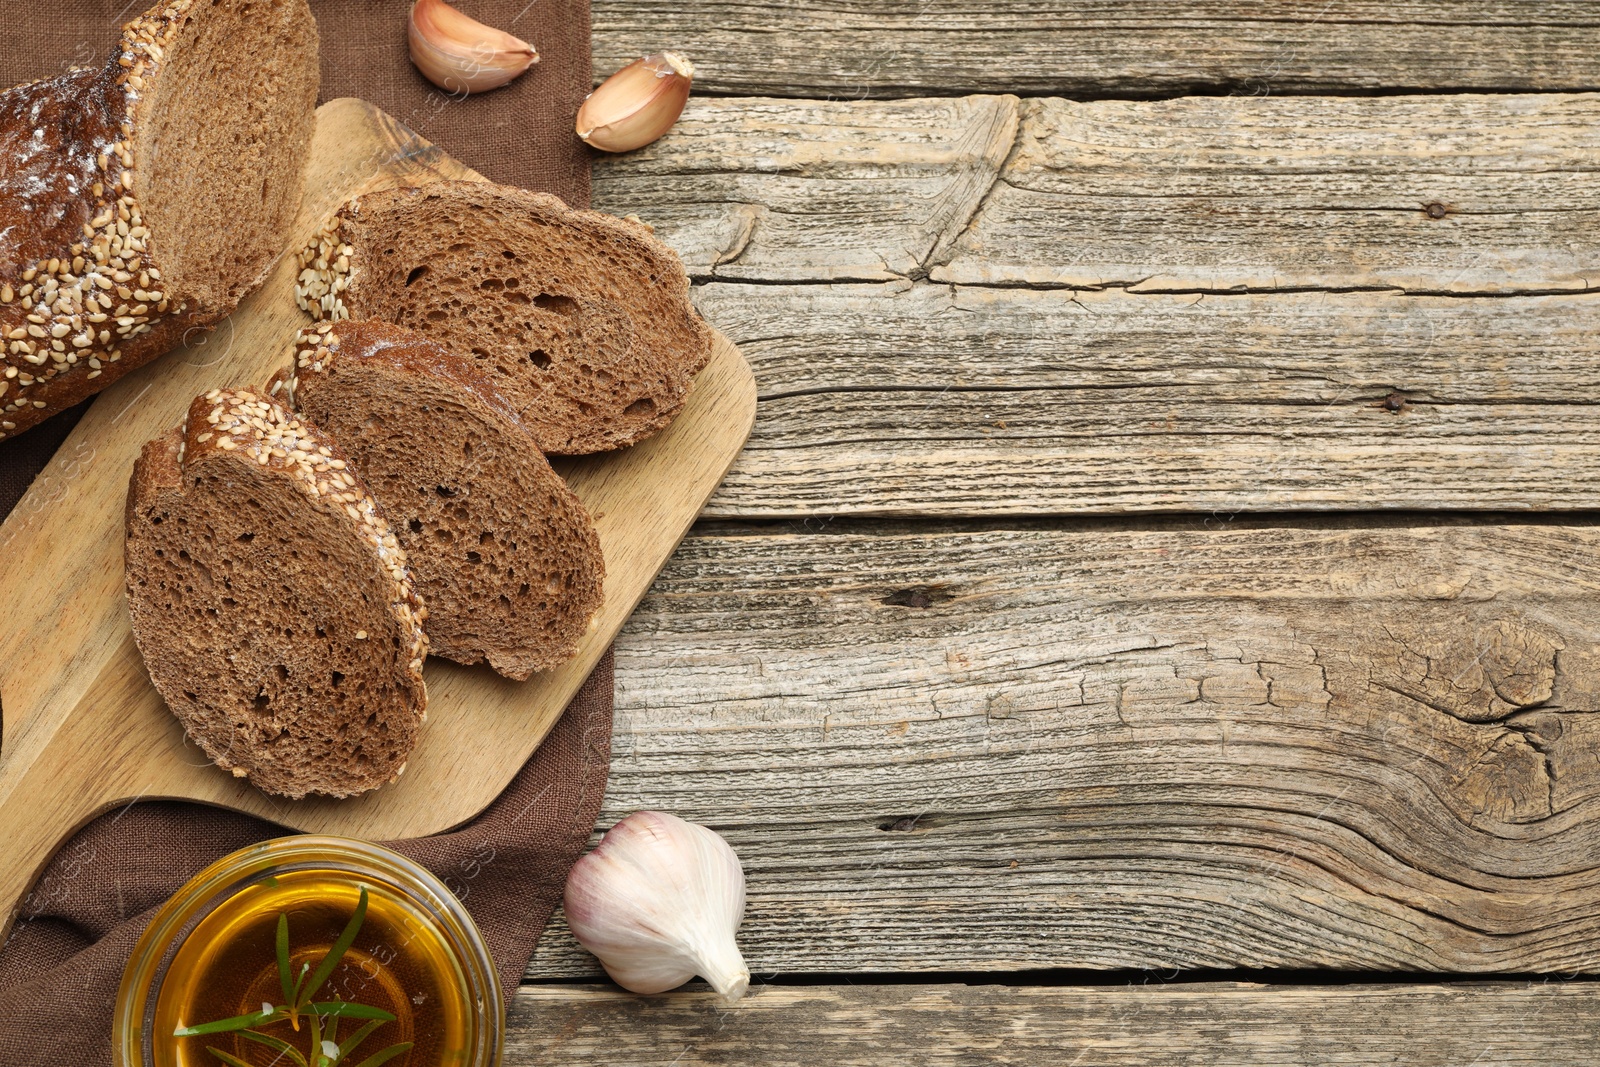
(400, 962)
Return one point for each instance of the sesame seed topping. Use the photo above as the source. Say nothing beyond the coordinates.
(66, 294)
(325, 272)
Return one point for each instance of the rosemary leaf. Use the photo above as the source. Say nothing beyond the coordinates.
(224, 1026)
(346, 1009)
(336, 953)
(276, 1044)
(349, 1044)
(386, 1055)
(305, 969)
(284, 978)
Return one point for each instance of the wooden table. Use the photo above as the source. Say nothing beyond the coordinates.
(1154, 619)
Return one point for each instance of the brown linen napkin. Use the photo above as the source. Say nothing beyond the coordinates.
(60, 969)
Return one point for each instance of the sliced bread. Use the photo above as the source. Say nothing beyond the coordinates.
(271, 601)
(583, 320)
(503, 553)
(143, 198)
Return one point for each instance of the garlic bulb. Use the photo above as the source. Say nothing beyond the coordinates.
(637, 104)
(658, 902)
(459, 54)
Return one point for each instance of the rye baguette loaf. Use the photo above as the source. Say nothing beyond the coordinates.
(583, 320)
(143, 198)
(503, 553)
(271, 601)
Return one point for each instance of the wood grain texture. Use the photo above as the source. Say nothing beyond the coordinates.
(84, 728)
(867, 48)
(1312, 192)
(920, 399)
(1008, 749)
(1195, 195)
(775, 190)
(1202, 305)
(1541, 1024)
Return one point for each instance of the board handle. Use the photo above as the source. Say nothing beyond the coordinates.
(39, 811)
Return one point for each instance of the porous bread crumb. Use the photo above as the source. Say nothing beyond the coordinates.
(502, 551)
(582, 320)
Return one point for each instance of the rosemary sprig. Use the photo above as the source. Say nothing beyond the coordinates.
(325, 1049)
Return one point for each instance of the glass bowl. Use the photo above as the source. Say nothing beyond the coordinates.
(211, 953)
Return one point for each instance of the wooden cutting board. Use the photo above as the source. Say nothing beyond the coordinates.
(84, 730)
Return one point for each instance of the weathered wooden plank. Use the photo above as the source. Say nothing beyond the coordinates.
(926, 399)
(858, 48)
(996, 750)
(1197, 194)
(990, 397)
(1541, 1024)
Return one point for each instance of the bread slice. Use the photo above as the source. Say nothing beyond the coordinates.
(583, 320)
(142, 199)
(272, 602)
(503, 553)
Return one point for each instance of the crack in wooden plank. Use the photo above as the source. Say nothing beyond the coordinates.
(1009, 122)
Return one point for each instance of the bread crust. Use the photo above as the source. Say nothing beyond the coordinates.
(341, 278)
(256, 430)
(317, 348)
(82, 296)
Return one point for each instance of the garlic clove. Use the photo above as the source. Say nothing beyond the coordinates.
(658, 901)
(637, 104)
(459, 54)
